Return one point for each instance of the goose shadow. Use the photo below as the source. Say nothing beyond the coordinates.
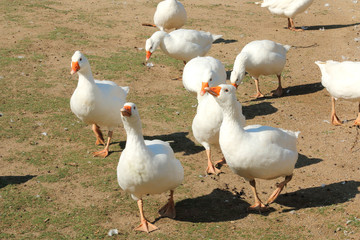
(258, 109)
(11, 180)
(321, 196)
(218, 206)
(304, 161)
(303, 89)
(328, 27)
(179, 142)
(226, 41)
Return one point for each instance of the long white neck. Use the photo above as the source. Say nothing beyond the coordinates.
(164, 38)
(240, 66)
(231, 119)
(86, 78)
(135, 138)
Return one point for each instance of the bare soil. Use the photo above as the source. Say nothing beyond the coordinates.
(321, 202)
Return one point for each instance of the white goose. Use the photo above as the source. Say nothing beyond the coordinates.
(170, 14)
(96, 102)
(147, 167)
(182, 44)
(261, 57)
(341, 80)
(199, 73)
(256, 151)
(287, 8)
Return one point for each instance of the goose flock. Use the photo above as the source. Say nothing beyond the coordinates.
(252, 152)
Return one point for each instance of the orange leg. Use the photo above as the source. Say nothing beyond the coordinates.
(291, 26)
(168, 210)
(105, 152)
(144, 226)
(258, 206)
(334, 119)
(279, 91)
(210, 168)
(220, 163)
(258, 93)
(278, 190)
(357, 121)
(98, 134)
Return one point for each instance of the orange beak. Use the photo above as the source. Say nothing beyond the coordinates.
(215, 91)
(203, 86)
(235, 85)
(148, 55)
(74, 67)
(126, 111)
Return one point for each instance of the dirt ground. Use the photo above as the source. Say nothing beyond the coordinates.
(321, 202)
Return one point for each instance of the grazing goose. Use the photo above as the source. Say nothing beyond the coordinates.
(147, 167)
(341, 80)
(287, 8)
(256, 151)
(260, 57)
(182, 44)
(199, 73)
(96, 102)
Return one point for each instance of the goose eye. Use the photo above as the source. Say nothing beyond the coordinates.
(226, 90)
(80, 59)
(210, 79)
(134, 108)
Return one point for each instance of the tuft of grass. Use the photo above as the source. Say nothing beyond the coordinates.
(70, 36)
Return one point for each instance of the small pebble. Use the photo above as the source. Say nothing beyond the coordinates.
(113, 232)
(44, 133)
(149, 64)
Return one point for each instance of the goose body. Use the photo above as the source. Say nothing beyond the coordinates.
(287, 8)
(170, 14)
(260, 57)
(147, 167)
(257, 151)
(342, 81)
(182, 44)
(96, 102)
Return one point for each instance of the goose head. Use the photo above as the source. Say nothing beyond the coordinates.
(79, 63)
(224, 94)
(153, 43)
(236, 77)
(130, 114)
(207, 79)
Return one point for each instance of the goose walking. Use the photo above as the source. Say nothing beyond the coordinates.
(342, 81)
(96, 102)
(147, 167)
(288, 9)
(199, 73)
(254, 151)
